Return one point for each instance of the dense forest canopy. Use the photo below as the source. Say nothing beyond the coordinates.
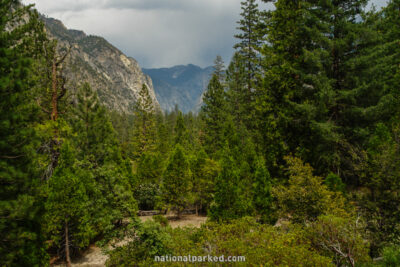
(294, 156)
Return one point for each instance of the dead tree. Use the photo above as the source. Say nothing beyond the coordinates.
(58, 91)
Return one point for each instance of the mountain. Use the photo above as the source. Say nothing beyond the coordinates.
(116, 77)
(180, 85)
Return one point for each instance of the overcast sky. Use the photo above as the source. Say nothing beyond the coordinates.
(157, 33)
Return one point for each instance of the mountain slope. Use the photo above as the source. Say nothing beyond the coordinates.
(180, 85)
(116, 77)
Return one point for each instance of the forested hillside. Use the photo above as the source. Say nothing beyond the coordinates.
(294, 157)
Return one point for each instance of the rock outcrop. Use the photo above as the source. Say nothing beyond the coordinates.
(181, 85)
(116, 77)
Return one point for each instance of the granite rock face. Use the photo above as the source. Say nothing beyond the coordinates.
(182, 85)
(116, 77)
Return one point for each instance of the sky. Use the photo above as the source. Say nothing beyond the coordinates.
(157, 33)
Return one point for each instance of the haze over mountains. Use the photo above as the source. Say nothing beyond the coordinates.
(118, 78)
(180, 85)
(115, 77)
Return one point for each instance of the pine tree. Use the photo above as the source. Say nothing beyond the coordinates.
(96, 143)
(213, 113)
(236, 94)
(144, 136)
(250, 42)
(68, 220)
(21, 42)
(219, 69)
(248, 52)
(229, 198)
(181, 132)
(96, 133)
(262, 197)
(176, 181)
(380, 204)
(204, 171)
(311, 96)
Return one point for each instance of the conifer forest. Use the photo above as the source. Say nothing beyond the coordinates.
(292, 160)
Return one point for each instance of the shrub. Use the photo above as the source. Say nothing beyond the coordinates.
(161, 220)
(340, 238)
(146, 195)
(150, 239)
(305, 198)
(391, 256)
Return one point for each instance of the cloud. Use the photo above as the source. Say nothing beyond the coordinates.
(158, 33)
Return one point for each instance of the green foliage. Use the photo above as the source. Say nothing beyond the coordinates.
(219, 69)
(380, 200)
(341, 239)
(315, 79)
(391, 256)
(305, 198)
(146, 194)
(150, 167)
(213, 113)
(259, 244)
(230, 198)
(21, 43)
(176, 181)
(204, 171)
(250, 40)
(181, 132)
(262, 185)
(334, 183)
(68, 203)
(162, 220)
(145, 131)
(150, 239)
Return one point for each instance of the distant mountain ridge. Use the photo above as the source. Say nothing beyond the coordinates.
(116, 77)
(181, 85)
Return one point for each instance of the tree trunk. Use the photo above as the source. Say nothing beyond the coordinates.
(67, 256)
(54, 111)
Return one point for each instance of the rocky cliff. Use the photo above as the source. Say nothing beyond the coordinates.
(180, 85)
(116, 77)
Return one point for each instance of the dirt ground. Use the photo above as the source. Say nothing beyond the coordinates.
(94, 257)
(185, 220)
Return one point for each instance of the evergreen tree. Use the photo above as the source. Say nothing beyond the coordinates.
(309, 68)
(96, 133)
(213, 113)
(236, 93)
(219, 69)
(381, 201)
(21, 42)
(262, 198)
(204, 171)
(176, 182)
(68, 205)
(144, 136)
(97, 143)
(229, 198)
(181, 132)
(250, 42)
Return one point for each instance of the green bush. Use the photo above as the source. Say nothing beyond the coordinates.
(161, 220)
(260, 244)
(391, 256)
(150, 239)
(146, 195)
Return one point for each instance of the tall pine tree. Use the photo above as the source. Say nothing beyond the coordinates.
(21, 42)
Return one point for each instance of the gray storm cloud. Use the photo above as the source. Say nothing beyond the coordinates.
(158, 33)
